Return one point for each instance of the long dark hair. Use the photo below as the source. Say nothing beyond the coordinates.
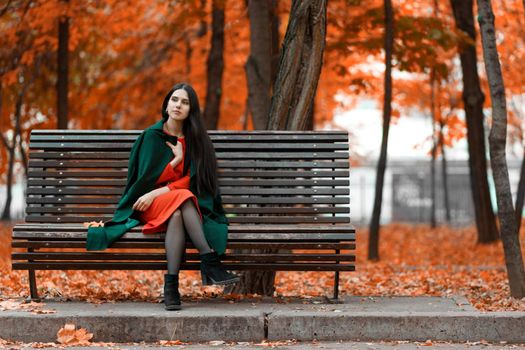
(198, 144)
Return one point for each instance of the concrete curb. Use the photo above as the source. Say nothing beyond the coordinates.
(124, 329)
(456, 326)
(357, 319)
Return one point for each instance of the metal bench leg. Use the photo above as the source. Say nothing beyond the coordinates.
(336, 285)
(32, 286)
(33, 291)
(335, 299)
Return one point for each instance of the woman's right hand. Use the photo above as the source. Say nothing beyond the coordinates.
(177, 152)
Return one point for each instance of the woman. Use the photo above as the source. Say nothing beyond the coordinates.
(171, 186)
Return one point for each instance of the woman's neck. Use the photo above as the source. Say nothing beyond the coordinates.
(173, 128)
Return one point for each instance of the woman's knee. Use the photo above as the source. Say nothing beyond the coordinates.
(177, 215)
(188, 203)
(174, 223)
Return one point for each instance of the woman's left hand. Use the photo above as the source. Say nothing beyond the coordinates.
(143, 203)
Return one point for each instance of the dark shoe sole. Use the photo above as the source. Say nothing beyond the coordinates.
(173, 307)
(208, 281)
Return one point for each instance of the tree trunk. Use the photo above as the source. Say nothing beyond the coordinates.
(203, 26)
(436, 114)
(215, 66)
(473, 103)
(258, 66)
(189, 51)
(276, 41)
(444, 174)
(245, 115)
(6, 213)
(309, 125)
(497, 143)
(521, 193)
(373, 245)
(433, 150)
(11, 147)
(23, 154)
(63, 71)
(262, 282)
(190, 35)
(299, 66)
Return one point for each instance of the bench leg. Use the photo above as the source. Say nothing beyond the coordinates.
(335, 299)
(32, 282)
(32, 287)
(336, 285)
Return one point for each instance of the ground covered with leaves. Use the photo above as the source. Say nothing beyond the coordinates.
(414, 261)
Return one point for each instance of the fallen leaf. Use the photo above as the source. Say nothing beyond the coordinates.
(69, 335)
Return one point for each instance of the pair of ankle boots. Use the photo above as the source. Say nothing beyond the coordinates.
(212, 272)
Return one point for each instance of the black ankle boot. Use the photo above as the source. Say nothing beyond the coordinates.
(213, 272)
(171, 292)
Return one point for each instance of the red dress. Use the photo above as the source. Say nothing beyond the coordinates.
(155, 217)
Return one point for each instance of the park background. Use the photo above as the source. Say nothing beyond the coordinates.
(122, 57)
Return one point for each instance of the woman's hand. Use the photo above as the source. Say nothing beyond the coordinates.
(177, 149)
(177, 152)
(143, 203)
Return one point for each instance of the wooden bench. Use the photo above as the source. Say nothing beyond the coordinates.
(280, 189)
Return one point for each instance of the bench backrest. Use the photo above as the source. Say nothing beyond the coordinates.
(265, 177)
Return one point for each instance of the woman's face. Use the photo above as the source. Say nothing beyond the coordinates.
(179, 105)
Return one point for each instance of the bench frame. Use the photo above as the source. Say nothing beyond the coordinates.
(310, 179)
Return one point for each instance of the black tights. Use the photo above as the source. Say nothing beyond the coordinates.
(187, 216)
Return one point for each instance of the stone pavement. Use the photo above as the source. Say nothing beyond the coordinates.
(356, 319)
(340, 345)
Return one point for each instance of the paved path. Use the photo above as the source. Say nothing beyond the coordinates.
(341, 345)
(356, 319)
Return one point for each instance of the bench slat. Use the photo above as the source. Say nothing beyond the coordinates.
(223, 173)
(224, 191)
(81, 244)
(215, 135)
(282, 153)
(232, 220)
(92, 150)
(159, 244)
(239, 210)
(51, 227)
(222, 182)
(42, 256)
(221, 163)
(289, 219)
(28, 227)
(231, 236)
(95, 265)
(225, 200)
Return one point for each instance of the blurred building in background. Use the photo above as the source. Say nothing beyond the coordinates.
(407, 196)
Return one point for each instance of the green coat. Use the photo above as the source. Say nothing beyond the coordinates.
(149, 155)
